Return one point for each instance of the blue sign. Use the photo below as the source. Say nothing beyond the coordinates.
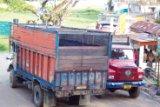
(5, 28)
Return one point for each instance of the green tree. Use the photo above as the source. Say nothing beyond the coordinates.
(17, 5)
(158, 21)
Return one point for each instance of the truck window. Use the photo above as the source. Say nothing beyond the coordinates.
(122, 54)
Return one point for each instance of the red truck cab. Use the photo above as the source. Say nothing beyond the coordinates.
(123, 73)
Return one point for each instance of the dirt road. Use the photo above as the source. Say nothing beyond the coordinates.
(22, 97)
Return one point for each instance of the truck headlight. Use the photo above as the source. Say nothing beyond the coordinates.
(140, 76)
(111, 77)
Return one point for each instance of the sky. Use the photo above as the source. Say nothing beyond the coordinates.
(81, 4)
(91, 4)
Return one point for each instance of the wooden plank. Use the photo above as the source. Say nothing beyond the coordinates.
(69, 63)
(82, 51)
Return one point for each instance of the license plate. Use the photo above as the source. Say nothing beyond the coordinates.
(82, 87)
(127, 87)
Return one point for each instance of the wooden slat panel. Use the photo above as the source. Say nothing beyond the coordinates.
(67, 63)
(34, 61)
(24, 59)
(36, 64)
(52, 69)
(39, 65)
(21, 57)
(41, 68)
(82, 50)
(34, 38)
(31, 62)
(45, 65)
(27, 60)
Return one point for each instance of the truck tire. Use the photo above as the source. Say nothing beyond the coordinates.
(13, 79)
(38, 96)
(74, 100)
(134, 92)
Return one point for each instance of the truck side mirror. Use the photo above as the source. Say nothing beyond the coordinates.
(9, 57)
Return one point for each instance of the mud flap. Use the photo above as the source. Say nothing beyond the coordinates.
(49, 100)
(84, 100)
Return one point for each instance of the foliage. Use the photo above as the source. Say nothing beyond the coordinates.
(86, 13)
(22, 16)
(158, 21)
(57, 13)
(82, 18)
(17, 5)
(4, 44)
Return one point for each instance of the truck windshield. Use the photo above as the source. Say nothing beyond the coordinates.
(122, 54)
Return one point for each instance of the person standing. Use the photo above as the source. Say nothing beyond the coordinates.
(150, 58)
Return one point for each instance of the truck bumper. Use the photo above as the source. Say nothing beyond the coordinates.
(64, 93)
(121, 85)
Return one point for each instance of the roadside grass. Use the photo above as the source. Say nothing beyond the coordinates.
(4, 44)
(23, 17)
(82, 18)
(158, 21)
(76, 18)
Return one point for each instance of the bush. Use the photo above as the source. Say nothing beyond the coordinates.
(19, 5)
(4, 44)
(158, 21)
(91, 14)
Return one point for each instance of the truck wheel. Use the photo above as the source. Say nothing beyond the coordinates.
(38, 96)
(13, 79)
(134, 92)
(74, 100)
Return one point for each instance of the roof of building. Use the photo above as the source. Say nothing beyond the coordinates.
(146, 27)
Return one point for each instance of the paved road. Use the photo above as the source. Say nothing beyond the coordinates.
(22, 97)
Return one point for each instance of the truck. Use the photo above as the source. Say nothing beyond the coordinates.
(59, 62)
(118, 20)
(123, 73)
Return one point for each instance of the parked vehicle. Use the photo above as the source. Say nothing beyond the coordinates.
(123, 73)
(59, 62)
